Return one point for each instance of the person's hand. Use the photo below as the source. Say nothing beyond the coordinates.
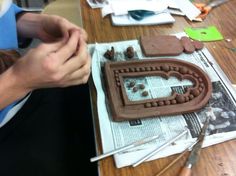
(57, 64)
(48, 28)
(53, 27)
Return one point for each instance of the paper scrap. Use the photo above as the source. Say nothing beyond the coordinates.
(94, 4)
(126, 20)
(188, 8)
(123, 6)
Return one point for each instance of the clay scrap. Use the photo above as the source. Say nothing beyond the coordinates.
(192, 99)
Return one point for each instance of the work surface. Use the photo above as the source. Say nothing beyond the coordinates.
(217, 160)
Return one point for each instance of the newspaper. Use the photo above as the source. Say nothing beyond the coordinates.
(117, 134)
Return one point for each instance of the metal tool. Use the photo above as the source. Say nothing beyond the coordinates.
(195, 153)
(135, 144)
(206, 8)
(176, 159)
(160, 148)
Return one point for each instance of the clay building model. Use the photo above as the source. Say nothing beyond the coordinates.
(122, 108)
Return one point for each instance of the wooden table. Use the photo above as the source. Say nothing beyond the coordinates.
(217, 160)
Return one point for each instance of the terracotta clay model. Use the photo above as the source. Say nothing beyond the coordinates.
(129, 52)
(192, 99)
(109, 54)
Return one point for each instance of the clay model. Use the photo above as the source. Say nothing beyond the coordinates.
(109, 54)
(129, 52)
(122, 108)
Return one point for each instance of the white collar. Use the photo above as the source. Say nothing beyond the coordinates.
(4, 6)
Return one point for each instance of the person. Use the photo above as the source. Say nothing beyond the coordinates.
(45, 116)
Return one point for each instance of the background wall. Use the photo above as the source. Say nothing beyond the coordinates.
(32, 3)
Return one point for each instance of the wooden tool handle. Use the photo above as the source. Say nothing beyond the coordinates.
(185, 172)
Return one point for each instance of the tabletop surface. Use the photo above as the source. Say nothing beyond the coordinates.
(217, 160)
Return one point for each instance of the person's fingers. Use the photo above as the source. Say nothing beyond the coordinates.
(83, 34)
(46, 48)
(63, 26)
(80, 58)
(82, 71)
(65, 52)
(80, 76)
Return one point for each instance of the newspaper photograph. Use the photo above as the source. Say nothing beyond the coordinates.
(114, 135)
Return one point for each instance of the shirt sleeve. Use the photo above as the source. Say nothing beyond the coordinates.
(22, 42)
(17, 9)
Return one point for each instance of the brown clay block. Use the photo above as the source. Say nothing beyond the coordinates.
(187, 44)
(197, 45)
(162, 45)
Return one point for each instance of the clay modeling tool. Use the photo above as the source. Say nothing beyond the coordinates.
(195, 153)
(160, 148)
(134, 144)
(176, 159)
(206, 34)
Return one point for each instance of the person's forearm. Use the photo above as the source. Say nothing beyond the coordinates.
(29, 25)
(10, 89)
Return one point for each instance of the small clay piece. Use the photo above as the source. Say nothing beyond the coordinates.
(129, 52)
(162, 45)
(131, 84)
(167, 102)
(180, 99)
(145, 93)
(135, 89)
(148, 105)
(109, 54)
(160, 103)
(187, 44)
(195, 92)
(141, 86)
(197, 44)
(191, 99)
(165, 68)
(154, 104)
